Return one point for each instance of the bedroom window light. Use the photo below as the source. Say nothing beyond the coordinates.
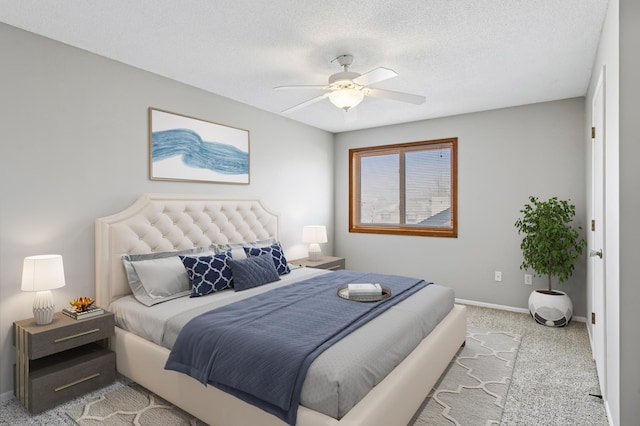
(404, 189)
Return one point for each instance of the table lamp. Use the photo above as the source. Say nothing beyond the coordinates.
(314, 234)
(42, 274)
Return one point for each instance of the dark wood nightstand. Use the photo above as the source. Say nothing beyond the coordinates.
(326, 262)
(59, 361)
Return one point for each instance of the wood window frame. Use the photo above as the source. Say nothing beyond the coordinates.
(402, 229)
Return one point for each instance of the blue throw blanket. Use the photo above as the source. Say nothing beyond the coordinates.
(259, 349)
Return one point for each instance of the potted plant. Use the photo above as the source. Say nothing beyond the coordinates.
(551, 246)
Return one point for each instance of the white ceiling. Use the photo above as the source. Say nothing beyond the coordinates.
(462, 55)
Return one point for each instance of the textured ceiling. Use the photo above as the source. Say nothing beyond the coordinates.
(462, 55)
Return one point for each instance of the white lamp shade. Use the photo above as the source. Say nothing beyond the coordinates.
(44, 272)
(314, 234)
(346, 98)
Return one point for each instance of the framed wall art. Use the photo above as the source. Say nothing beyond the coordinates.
(183, 148)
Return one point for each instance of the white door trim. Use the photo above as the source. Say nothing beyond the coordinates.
(596, 264)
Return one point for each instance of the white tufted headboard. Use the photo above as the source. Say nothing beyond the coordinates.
(166, 222)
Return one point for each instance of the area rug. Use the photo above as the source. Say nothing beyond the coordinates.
(474, 388)
(130, 405)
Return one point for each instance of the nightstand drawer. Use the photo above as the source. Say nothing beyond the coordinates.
(66, 333)
(64, 376)
(334, 265)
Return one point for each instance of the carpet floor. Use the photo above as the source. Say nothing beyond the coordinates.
(552, 378)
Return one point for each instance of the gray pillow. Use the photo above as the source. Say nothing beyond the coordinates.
(158, 277)
(253, 272)
(237, 249)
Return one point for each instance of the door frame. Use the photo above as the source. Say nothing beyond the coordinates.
(597, 236)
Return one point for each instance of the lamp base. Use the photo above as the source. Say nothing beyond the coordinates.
(43, 307)
(314, 252)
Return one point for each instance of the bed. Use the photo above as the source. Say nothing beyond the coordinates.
(161, 223)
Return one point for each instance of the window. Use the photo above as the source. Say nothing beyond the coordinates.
(405, 189)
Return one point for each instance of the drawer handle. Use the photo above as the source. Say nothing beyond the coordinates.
(68, 385)
(62, 339)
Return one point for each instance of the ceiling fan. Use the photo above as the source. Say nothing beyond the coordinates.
(346, 89)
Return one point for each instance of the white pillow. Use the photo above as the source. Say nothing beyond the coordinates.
(162, 279)
(158, 277)
(237, 249)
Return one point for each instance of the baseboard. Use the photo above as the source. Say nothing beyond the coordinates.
(589, 331)
(4, 397)
(507, 308)
(608, 413)
(492, 306)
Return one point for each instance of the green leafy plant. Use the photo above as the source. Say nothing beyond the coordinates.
(551, 245)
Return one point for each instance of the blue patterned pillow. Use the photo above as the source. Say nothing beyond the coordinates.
(253, 272)
(275, 250)
(208, 274)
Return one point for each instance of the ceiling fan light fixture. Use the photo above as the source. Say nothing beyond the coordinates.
(346, 89)
(346, 98)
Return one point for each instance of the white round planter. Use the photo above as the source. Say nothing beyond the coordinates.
(554, 310)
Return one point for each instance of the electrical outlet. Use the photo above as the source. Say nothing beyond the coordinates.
(528, 279)
(498, 276)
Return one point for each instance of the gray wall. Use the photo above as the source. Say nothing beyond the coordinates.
(503, 157)
(74, 147)
(629, 212)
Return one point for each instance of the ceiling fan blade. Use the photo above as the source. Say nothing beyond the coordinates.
(396, 96)
(301, 87)
(306, 103)
(375, 76)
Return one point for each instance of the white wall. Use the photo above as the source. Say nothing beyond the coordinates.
(503, 157)
(74, 147)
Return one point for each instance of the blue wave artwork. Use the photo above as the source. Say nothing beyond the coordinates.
(195, 152)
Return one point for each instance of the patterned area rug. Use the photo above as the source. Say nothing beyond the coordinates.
(474, 388)
(131, 405)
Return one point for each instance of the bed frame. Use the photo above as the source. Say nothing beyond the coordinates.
(161, 222)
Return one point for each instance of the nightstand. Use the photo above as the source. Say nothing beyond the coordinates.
(61, 360)
(326, 262)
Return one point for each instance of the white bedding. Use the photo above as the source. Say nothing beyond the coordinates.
(340, 376)
(149, 322)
